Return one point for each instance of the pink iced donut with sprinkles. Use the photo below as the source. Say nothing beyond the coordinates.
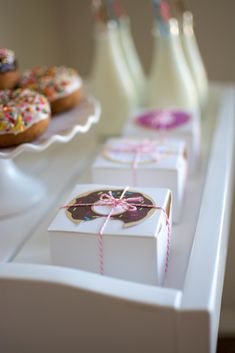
(24, 115)
(61, 85)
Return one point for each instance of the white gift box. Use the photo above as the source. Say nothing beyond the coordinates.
(134, 244)
(169, 123)
(144, 163)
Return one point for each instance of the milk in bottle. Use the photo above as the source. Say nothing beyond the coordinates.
(110, 80)
(132, 58)
(193, 57)
(170, 84)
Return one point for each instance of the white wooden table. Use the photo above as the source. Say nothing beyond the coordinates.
(53, 309)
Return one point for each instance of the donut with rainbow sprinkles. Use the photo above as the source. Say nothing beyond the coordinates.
(24, 115)
(61, 85)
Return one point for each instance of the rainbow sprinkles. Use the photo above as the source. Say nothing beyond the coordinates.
(20, 109)
(54, 82)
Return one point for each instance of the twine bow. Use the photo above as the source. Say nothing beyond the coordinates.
(110, 200)
(107, 199)
(147, 147)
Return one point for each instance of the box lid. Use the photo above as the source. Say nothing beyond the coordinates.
(125, 153)
(146, 121)
(89, 217)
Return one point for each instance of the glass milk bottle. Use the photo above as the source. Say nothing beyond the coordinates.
(194, 58)
(110, 80)
(170, 84)
(131, 57)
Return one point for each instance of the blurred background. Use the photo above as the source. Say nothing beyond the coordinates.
(61, 32)
(49, 32)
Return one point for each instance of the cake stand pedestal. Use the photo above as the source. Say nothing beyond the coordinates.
(18, 191)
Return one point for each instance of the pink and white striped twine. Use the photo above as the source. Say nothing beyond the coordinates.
(146, 147)
(128, 204)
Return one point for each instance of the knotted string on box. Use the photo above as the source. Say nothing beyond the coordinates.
(128, 204)
(147, 147)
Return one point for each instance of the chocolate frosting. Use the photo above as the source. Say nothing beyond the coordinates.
(86, 213)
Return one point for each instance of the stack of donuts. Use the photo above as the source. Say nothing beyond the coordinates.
(28, 100)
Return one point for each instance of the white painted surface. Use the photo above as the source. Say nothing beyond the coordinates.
(58, 310)
(207, 260)
(79, 310)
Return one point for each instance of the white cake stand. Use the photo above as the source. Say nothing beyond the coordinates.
(17, 189)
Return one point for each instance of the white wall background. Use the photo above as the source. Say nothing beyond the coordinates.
(60, 32)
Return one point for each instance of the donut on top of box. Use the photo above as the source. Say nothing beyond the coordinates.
(168, 123)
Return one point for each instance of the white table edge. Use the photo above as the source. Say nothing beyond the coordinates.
(91, 282)
(218, 213)
(158, 296)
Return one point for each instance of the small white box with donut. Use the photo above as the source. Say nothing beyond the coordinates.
(169, 123)
(116, 231)
(160, 163)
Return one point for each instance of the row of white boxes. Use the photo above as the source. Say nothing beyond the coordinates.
(120, 226)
